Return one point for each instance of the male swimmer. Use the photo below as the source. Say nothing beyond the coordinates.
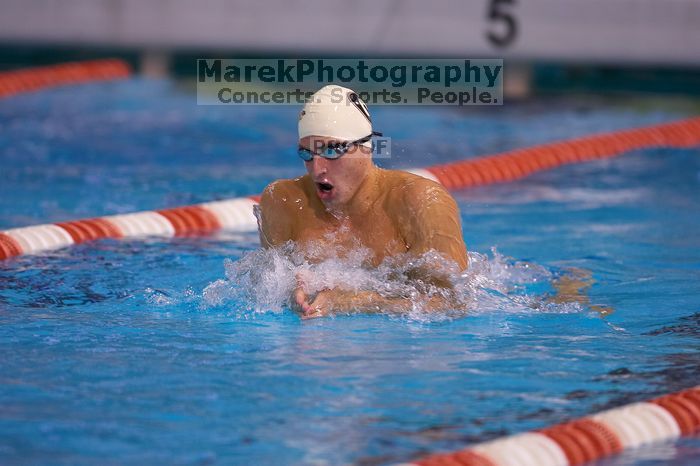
(345, 200)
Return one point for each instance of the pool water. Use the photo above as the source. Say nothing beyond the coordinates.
(137, 352)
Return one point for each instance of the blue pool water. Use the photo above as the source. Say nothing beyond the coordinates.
(114, 353)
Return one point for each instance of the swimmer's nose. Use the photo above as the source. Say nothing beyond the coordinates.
(319, 165)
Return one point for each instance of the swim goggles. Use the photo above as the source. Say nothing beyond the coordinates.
(335, 150)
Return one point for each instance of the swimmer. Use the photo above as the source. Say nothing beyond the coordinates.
(346, 201)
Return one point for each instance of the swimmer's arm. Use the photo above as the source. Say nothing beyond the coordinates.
(363, 302)
(431, 221)
(274, 224)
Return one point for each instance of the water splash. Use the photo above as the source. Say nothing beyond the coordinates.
(264, 280)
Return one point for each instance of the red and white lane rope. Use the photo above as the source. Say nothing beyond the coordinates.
(586, 439)
(237, 214)
(201, 219)
(42, 77)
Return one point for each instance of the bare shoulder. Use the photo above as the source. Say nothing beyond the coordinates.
(280, 190)
(430, 218)
(278, 195)
(417, 191)
(276, 224)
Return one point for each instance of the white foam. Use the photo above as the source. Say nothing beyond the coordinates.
(264, 280)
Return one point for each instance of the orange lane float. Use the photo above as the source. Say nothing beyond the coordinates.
(520, 163)
(41, 77)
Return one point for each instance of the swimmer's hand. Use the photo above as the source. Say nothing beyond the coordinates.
(302, 304)
(306, 309)
(323, 304)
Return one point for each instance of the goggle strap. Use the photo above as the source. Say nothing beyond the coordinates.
(355, 99)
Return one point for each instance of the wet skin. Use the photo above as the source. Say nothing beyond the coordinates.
(349, 203)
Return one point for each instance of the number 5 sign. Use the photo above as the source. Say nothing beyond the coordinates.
(503, 26)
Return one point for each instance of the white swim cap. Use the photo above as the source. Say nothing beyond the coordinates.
(335, 112)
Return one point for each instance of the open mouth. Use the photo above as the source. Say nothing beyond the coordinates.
(325, 190)
(325, 187)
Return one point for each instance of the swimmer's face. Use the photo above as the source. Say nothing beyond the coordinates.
(336, 181)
